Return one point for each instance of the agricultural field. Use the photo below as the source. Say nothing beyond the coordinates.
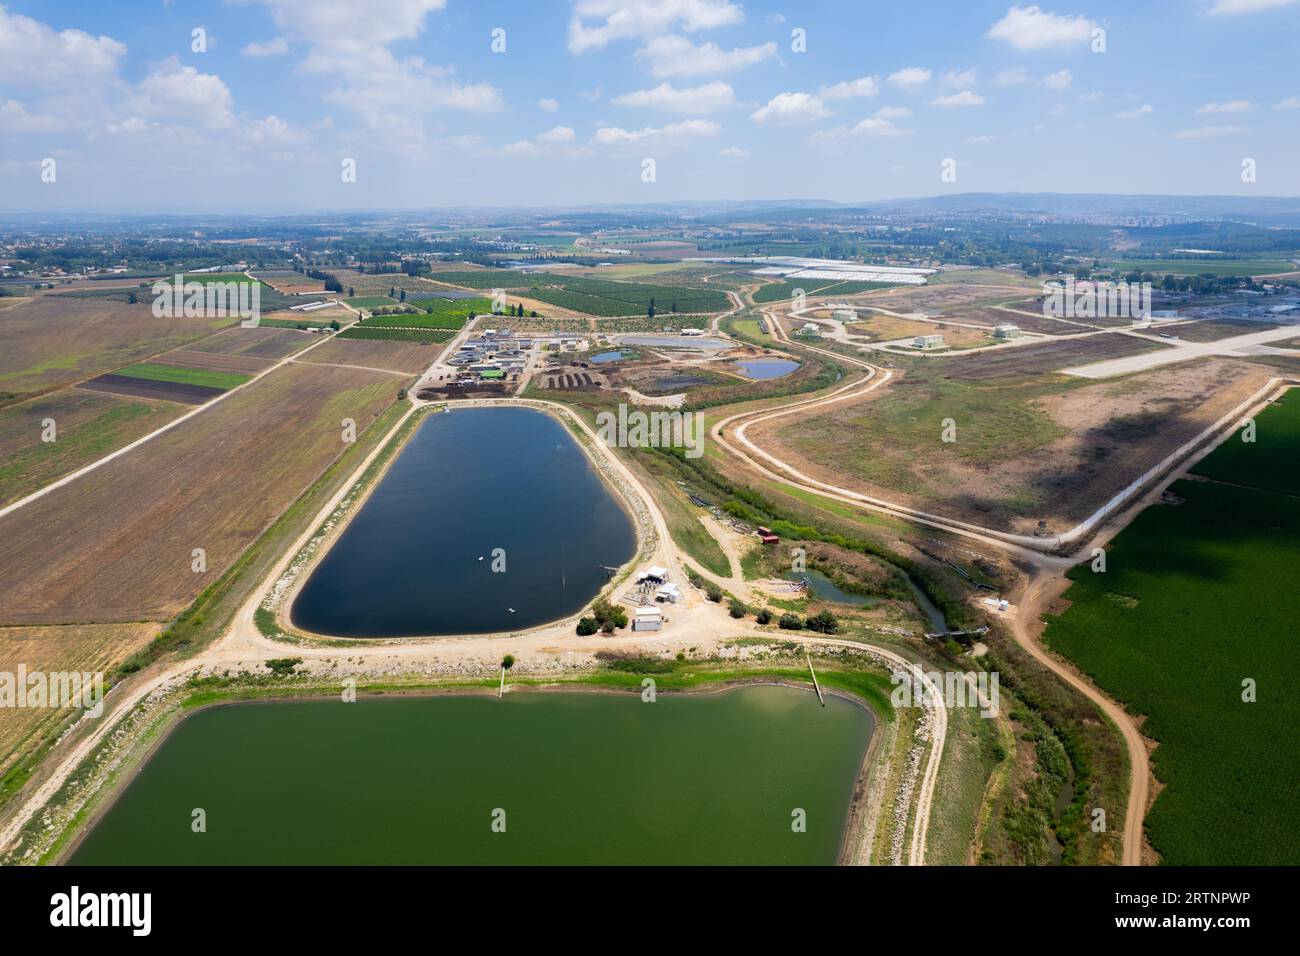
(1192, 604)
(171, 383)
(370, 301)
(117, 544)
(1031, 448)
(50, 341)
(158, 372)
(885, 328)
(383, 334)
(1210, 330)
(435, 314)
(399, 356)
(95, 648)
(785, 289)
(1231, 268)
(599, 297)
(87, 426)
(270, 344)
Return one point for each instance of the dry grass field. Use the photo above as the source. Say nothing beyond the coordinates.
(884, 328)
(409, 357)
(1034, 448)
(269, 344)
(80, 648)
(50, 341)
(1036, 359)
(87, 426)
(116, 545)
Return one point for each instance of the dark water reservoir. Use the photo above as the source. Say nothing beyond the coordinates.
(470, 481)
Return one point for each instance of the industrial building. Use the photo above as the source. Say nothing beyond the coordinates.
(928, 342)
(1007, 331)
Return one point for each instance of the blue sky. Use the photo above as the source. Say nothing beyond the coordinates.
(715, 92)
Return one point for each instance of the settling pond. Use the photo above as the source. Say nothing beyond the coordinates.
(583, 778)
(470, 481)
(766, 368)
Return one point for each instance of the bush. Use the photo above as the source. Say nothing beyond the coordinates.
(587, 626)
(764, 616)
(736, 608)
(713, 592)
(823, 622)
(791, 622)
(608, 616)
(283, 666)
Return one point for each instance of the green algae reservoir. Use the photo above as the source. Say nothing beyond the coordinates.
(577, 778)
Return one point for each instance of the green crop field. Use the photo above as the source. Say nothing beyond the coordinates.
(209, 278)
(780, 291)
(370, 301)
(438, 313)
(592, 296)
(1235, 268)
(185, 376)
(384, 334)
(1196, 599)
(1270, 461)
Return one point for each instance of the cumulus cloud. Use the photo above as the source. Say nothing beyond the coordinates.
(789, 108)
(673, 55)
(861, 87)
(672, 134)
(173, 90)
(893, 112)
(958, 79)
(277, 46)
(733, 152)
(1031, 28)
(548, 105)
(1231, 106)
(909, 78)
(595, 23)
(1290, 103)
(964, 98)
(1143, 110)
(1060, 80)
(35, 55)
(689, 100)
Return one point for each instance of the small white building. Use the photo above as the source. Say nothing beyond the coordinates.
(647, 619)
(811, 328)
(928, 342)
(668, 594)
(1006, 331)
(844, 315)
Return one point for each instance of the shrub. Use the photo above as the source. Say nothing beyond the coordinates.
(764, 616)
(823, 622)
(283, 666)
(736, 609)
(713, 592)
(587, 626)
(791, 622)
(608, 616)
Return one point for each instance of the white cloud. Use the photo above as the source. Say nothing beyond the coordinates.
(862, 86)
(877, 126)
(595, 23)
(14, 118)
(174, 91)
(672, 134)
(1017, 76)
(1231, 106)
(958, 80)
(35, 55)
(1143, 110)
(1030, 28)
(733, 152)
(893, 112)
(964, 98)
(787, 108)
(276, 46)
(548, 105)
(1095, 96)
(1290, 103)
(909, 78)
(1206, 132)
(521, 147)
(677, 56)
(558, 135)
(688, 100)
(1247, 6)
(982, 138)
(1060, 80)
